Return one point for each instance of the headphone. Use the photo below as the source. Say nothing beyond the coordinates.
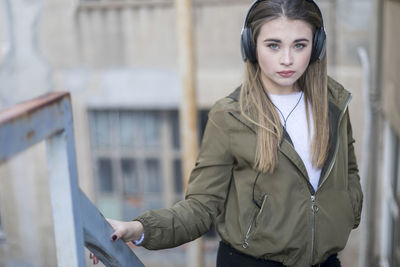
(248, 47)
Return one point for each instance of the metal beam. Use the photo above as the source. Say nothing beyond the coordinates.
(77, 222)
(30, 122)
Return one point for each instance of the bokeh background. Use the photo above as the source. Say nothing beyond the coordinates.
(119, 61)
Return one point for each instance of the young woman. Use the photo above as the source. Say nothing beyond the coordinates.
(276, 172)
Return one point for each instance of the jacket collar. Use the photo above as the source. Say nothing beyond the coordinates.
(337, 95)
(338, 99)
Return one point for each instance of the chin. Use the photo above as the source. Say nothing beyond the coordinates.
(286, 81)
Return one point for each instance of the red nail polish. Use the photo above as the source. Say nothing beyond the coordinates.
(114, 237)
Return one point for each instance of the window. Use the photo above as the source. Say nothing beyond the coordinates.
(136, 159)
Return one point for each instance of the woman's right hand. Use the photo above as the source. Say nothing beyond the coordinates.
(127, 231)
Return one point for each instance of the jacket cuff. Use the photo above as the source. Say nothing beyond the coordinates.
(144, 239)
(139, 241)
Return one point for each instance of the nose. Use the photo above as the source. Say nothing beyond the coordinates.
(286, 57)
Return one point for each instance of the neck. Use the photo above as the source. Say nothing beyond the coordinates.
(279, 90)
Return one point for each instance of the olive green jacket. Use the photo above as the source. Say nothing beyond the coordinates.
(290, 222)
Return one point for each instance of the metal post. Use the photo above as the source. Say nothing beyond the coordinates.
(388, 174)
(368, 169)
(63, 189)
(365, 160)
(188, 110)
(368, 253)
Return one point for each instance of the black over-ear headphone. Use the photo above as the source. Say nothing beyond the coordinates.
(249, 48)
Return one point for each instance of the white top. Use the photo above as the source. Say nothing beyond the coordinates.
(296, 127)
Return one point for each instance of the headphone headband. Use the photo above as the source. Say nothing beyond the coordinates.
(248, 13)
(248, 47)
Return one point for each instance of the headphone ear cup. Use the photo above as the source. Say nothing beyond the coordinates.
(319, 45)
(247, 46)
(251, 47)
(243, 40)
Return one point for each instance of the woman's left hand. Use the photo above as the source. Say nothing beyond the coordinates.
(127, 231)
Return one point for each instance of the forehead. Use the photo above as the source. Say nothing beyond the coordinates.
(284, 28)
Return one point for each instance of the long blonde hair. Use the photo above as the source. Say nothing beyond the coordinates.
(257, 107)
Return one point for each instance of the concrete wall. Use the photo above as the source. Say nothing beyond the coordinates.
(391, 63)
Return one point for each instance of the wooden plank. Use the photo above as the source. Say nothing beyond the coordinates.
(188, 108)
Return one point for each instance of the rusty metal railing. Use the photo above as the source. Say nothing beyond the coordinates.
(77, 222)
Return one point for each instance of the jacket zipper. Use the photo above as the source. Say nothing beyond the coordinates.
(246, 238)
(337, 143)
(314, 210)
(314, 207)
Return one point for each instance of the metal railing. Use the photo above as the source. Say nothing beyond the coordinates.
(77, 222)
(389, 206)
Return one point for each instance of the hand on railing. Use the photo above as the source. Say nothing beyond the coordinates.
(127, 231)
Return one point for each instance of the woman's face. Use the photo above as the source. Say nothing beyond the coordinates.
(283, 51)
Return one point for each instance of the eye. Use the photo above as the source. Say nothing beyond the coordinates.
(299, 46)
(273, 46)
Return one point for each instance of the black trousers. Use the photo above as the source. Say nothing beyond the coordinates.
(229, 257)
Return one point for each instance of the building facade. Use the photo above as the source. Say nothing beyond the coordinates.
(118, 59)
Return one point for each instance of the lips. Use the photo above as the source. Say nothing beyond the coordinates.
(286, 74)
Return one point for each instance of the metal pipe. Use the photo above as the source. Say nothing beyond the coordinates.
(368, 253)
(387, 176)
(188, 110)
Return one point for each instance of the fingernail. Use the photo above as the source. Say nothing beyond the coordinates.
(114, 237)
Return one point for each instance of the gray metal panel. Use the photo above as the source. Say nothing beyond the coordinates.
(97, 237)
(65, 200)
(30, 122)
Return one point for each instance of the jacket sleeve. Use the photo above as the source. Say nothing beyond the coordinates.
(354, 185)
(205, 196)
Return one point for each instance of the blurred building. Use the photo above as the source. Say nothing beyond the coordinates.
(118, 59)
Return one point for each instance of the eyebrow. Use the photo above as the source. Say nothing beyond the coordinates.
(279, 41)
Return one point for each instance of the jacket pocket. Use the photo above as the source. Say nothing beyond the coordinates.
(352, 205)
(355, 196)
(253, 222)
